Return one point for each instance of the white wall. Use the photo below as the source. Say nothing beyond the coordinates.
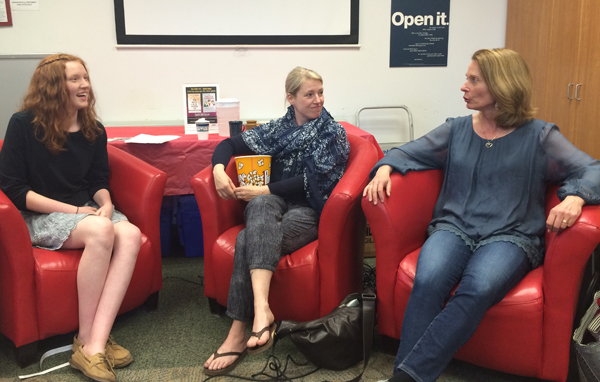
(144, 85)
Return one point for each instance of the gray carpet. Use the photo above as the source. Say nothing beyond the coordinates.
(172, 343)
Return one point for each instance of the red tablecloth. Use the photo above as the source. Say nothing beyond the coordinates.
(185, 156)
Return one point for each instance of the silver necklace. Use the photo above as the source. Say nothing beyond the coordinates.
(489, 143)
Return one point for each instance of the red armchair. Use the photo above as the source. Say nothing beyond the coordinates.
(38, 288)
(311, 281)
(528, 332)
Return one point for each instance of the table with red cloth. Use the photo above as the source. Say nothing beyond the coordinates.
(185, 156)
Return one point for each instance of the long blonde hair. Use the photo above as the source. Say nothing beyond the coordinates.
(48, 99)
(509, 81)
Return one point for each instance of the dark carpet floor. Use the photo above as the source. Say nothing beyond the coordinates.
(172, 343)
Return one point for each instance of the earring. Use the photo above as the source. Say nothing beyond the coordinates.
(496, 106)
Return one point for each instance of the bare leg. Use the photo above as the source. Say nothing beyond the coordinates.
(235, 342)
(236, 339)
(126, 248)
(261, 282)
(109, 256)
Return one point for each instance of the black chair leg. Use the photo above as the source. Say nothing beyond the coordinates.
(26, 354)
(151, 303)
(216, 309)
(589, 282)
(389, 345)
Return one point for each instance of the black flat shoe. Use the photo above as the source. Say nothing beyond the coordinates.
(225, 370)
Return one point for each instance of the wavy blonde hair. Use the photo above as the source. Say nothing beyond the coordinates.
(48, 99)
(509, 81)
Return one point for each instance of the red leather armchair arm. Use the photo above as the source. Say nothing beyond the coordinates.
(399, 226)
(137, 190)
(17, 282)
(399, 223)
(342, 228)
(217, 214)
(566, 257)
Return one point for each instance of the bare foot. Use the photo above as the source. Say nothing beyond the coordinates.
(235, 342)
(263, 317)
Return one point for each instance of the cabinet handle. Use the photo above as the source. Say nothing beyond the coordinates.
(577, 92)
(569, 91)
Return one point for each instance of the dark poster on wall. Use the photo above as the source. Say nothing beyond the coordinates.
(419, 33)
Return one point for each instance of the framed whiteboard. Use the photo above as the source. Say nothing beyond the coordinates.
(236, 22)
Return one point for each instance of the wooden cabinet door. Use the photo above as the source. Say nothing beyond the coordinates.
(563, 65)
(587, 110)
(546, 33)
(528, 32)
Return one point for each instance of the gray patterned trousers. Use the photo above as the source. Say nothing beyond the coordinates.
(274, 228)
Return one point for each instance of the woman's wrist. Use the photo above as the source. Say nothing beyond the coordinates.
(576, 199)
(387, 169)
(218, 168)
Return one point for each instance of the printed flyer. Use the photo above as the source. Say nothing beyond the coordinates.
(199, 102)
(419, 33)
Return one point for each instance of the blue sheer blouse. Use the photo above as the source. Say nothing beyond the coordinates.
(498, 193)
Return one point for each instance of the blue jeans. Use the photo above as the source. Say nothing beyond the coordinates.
(431, 332)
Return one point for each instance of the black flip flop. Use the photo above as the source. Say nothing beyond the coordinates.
(225, 370)
(261, 348)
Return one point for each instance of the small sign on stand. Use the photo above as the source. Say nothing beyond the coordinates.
(199, 102)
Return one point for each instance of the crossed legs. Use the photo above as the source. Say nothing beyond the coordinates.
(109, 255)
(236, 341)
(273, 229)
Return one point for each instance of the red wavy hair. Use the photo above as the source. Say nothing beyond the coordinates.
(48, 99)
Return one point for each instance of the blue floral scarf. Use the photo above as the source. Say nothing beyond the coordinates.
(317, 149)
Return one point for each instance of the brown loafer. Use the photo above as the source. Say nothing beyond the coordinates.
(96, 367)
(120, 356)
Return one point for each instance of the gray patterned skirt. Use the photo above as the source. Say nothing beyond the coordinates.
(50, 231)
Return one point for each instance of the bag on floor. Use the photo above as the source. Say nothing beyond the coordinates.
(340, 339)
(585, 342)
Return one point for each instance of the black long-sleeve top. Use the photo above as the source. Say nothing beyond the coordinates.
(72, 176)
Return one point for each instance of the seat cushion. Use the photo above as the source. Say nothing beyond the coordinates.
(294, 292)
(517, 319)
(56, 287)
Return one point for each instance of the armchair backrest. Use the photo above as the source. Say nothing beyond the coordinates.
(136, 189)
(342, 225)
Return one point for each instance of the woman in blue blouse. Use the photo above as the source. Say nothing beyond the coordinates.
(489, 221)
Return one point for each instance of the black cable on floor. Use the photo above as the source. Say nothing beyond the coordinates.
(274, 364)
(201, 283)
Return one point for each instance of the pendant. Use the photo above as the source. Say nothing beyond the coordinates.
(489, 145)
